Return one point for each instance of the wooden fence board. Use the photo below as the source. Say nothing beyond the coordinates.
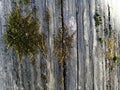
(87, 68)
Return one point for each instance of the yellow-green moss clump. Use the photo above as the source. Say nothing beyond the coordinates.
(22, 34)
(63, 44)
(111, 48)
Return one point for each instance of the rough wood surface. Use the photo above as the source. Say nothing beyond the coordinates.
(87, 68)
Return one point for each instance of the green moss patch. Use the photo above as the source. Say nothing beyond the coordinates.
(25, 1)
(22, 34)
(63, 44)
(98, 19)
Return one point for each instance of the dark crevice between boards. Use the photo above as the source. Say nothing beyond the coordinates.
(63, 45)
(109, 21)
(77, 23)
(64, 63)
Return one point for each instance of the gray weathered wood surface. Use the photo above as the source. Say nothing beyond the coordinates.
(86, 69)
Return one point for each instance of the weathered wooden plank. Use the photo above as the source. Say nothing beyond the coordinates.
(6, 62)
(81, 48)
(69, 17)
(87, 68)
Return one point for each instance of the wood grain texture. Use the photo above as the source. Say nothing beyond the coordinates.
(87, 68)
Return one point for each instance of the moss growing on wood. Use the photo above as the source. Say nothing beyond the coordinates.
(63, 44)
(98, 19)
(111, 47)
(116, 58)
(25, 1)
(106, 31)
(22, 34)
(47, 15)
(101, 40)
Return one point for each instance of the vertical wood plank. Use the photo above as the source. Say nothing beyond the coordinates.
(69, 17)
(86, 69)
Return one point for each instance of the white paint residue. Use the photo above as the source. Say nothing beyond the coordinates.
(115, 12)
(0, 7)
(71, 24)
(79, 87)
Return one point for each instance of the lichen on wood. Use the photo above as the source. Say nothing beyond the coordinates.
(98, 19)
(101, 40)
(22, 34)
(111, 48)
(47, 15)
(25, 1)
(63, 44)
